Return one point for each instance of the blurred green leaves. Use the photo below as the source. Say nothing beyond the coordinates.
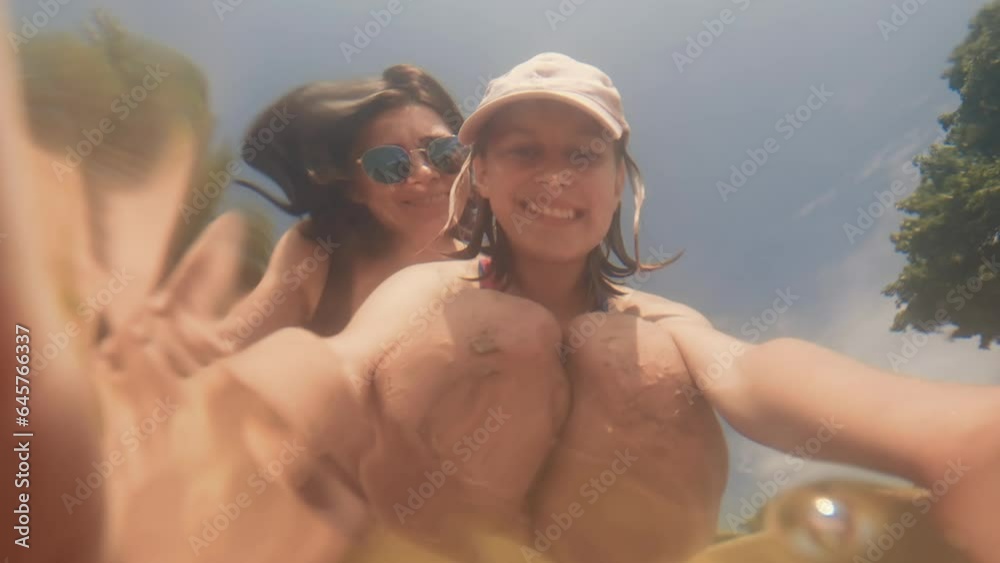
(952, 235)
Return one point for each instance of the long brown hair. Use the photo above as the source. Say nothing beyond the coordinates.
(487, 237)
(310, 159)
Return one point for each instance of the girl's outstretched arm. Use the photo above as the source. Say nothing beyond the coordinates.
(785, 392)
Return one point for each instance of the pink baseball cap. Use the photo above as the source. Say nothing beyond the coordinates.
(551, 76)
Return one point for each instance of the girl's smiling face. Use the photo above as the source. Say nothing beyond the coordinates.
(553, 178)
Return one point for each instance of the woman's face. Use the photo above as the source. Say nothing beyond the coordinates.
(552, 178)
(417, 208)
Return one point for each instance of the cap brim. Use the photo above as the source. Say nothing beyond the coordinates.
(470, 129)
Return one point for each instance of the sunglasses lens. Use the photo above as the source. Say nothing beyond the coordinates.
(447, 154)
(386, 165)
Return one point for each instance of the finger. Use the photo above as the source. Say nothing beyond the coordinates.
(141, 368)
(203, 338)
(109, 351)
(178, 353)
(207, 277)
(187, 342)
(179, 343)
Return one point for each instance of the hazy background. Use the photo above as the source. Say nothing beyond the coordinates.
(782, 230)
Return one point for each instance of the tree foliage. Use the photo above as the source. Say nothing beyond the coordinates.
(73, 81)
(951, 236)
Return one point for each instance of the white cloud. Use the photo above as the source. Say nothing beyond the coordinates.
(815, 204)
(854, 100)
(898, 152)
(857, 318)
(914, 104)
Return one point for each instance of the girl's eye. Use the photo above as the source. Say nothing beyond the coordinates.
(525, 152)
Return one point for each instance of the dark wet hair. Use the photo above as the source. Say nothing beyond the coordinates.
(310, 158)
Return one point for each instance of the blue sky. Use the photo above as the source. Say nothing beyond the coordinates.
(783, 229)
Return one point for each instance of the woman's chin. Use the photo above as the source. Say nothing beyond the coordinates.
(417, 218)
(422, 235)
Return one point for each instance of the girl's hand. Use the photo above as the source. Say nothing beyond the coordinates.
(197, 462)
(177, 329)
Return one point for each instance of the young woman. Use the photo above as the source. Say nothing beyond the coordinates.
(369, 164)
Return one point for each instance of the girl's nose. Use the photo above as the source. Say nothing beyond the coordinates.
(555, 179)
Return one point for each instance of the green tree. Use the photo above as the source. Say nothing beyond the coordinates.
(952, 235)
(72, 81)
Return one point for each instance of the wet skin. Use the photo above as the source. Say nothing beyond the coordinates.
(451, 410)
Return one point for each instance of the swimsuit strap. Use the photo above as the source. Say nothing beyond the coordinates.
(604, 304)
(487, 281)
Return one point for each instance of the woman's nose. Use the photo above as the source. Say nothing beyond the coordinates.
(421, 171)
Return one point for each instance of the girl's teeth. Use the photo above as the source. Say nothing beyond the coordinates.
(558, 213)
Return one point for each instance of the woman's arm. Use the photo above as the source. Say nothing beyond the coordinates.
(287, 294)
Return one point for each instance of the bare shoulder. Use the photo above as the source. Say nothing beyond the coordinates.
(302, 262)
(295, 244)
(404, 293)
(656, 309)
(419, 279)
